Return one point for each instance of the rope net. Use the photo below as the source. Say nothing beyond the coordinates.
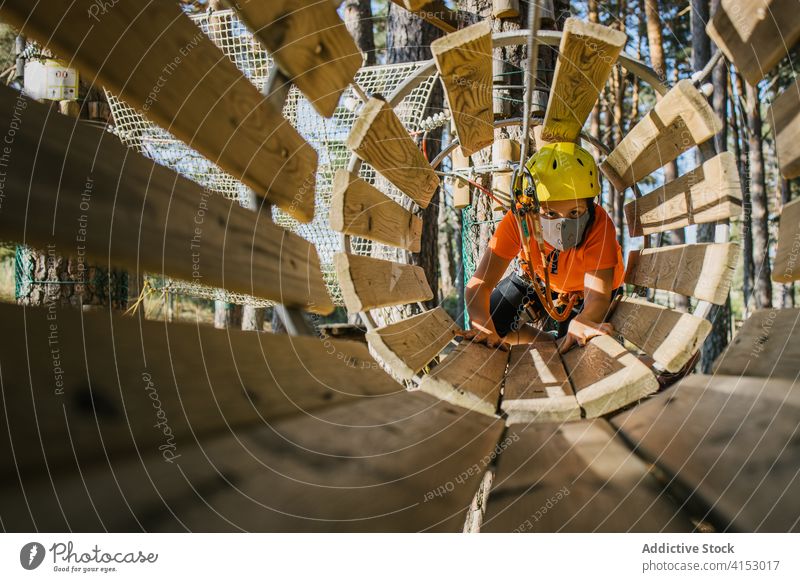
(327, 136)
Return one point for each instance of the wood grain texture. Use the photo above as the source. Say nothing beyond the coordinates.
(708, 193)
(682, 119)
(730, 441)
(586, 56)
(606, 376)
(670, 337)
(755, 34)
(464, 61)
(359, 209)
(309, 43)
(702, 270)
(505, 8)
(504, 152)
(368, 283)
(767, 345)
(75, 189)
(785, 267)
(784, 117)
(379, 138)
(183, 82)
(435, 12)
(536, 387)
(409, 345)
(370, 466)
(470, 376)
(576, 477)
(86, 385)
(461, 188)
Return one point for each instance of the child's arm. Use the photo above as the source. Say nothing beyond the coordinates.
(596, 302)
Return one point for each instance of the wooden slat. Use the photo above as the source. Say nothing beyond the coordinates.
(586, 56)
(154, 57)
(785, 268)
(576, 477)
(470, 376)
(784, 117)
(669, 336)
(536, 387)
(375, 465)
(359, 209)
(767, 345)
(379, 138)
(682, 119)
(729, 441)
(755, 34)
(606, 376)
(409, 345)
(368, 283)
(115, 384)
(504, 152)
(464, 60)
(702, 270)
(461, 188)
(308, 42)
(708, 193)
(434, 12)
(96, 199)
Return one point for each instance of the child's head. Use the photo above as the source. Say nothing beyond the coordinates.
(563, 172)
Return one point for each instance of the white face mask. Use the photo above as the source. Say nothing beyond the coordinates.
(564, 233)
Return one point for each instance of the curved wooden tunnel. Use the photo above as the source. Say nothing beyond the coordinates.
(111, 422)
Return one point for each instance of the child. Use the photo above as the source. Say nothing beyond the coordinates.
(581, 250)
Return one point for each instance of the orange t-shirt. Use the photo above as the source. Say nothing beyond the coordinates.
(598, 250)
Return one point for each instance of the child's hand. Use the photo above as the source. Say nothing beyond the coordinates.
(492, 340)
(580, 331)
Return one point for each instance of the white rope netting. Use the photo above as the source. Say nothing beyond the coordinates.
(327, 136)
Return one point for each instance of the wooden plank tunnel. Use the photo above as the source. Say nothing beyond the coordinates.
(184, 83)
(379, 138)
(767, 346)
(708, 193)
(755, 34)
(784, 117)
(407, 346)
(682, 119)
(309, 43)
(359, 209)
(96, 199)
(536, 387)
(464, 61)
(785, 267)
(194, 378)
(368, 283)
(587, 53)
(729, 443)
(576, 477)
(703, 270)
(398, 463)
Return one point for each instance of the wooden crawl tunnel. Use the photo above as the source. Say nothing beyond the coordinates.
(114, 423)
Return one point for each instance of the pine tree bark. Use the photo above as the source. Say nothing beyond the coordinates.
(787, 290)
(743, 155)
(358, 20)
(760, 203)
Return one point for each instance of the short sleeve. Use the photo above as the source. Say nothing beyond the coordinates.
(601, 250)
(505, 242)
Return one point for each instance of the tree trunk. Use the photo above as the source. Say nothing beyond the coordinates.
(408, 38)
(358, 20)
(743, 156)
(787, 289)
(760, 204)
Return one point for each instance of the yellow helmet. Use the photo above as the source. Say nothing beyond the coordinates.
(563, 171)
